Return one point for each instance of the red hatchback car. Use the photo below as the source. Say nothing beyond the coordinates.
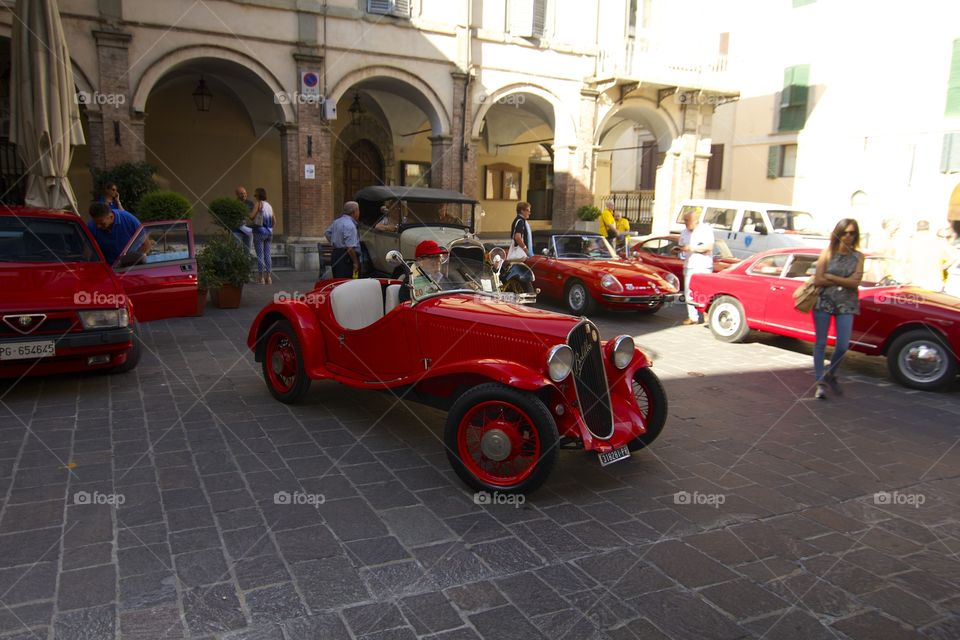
(917, 330)
(518, 383)
(64, 309)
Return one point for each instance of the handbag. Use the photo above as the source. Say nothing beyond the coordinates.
(805, 297)
(516, 253)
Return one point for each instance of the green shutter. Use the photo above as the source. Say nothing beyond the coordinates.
(794, 97)
(953, 83)
(800, 3)
(773, 161)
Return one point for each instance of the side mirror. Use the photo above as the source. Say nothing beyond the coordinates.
(545, 252)
(394, 257)
(636, 256)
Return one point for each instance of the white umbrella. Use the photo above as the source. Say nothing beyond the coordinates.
(45, 117)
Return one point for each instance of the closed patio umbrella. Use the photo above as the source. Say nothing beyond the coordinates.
(45, 117)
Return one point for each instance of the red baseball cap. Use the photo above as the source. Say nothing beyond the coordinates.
(429, 248)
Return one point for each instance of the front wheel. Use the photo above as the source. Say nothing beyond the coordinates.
(500, 439)
(919, 359)
(133, 356)
(283, 369)
(652, 401)
(728, 322)
(578, 298)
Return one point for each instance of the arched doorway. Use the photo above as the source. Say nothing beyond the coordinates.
(362, 167)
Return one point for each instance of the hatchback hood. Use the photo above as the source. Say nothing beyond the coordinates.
(48, 286)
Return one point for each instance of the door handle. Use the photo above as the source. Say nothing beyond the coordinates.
(186, 267)
(776, 287)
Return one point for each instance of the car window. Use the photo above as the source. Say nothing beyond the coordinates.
(796, 221)
(583, 247)
(877, 269)
(659, 246)
(684, 209)
(168, 243)
(802, 266)
(752, 222)
(770, 265)
(31, 239)
(720, 218)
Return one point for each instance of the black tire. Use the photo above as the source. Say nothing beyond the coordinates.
(518, 286)
(728, 322)
(652, 400)
(487, 396)
(280, 337)
(649, 311)
(578, 299)
(921, 359)
(133, 358)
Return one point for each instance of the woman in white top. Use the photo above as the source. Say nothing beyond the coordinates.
(261, 221)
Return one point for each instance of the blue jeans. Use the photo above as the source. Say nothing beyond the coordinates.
(821, 323)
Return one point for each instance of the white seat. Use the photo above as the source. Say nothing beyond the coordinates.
(357, 303)
(392, 298)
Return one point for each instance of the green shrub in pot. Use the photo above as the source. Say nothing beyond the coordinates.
(164, 205)
(229, 213)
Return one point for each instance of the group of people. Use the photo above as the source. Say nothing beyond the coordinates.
(925, 258)
(612, 223)
(257, 230)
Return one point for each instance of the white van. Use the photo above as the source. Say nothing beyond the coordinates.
(752, 227)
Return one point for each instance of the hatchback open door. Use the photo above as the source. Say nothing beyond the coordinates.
(158, 271)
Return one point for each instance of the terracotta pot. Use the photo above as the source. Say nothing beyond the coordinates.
(201, 301)
(227, 296)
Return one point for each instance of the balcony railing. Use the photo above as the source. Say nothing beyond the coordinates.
(636, 206)
(664, 63)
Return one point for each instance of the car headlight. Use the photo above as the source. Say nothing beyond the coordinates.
(104, 319)
(623, 350)
(673, 281)
(560, 362)
(610, 283)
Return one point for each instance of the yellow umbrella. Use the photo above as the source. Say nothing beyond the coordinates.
(45, 117)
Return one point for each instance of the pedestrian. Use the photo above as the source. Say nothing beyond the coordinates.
(244, 233)
(342, 234)
(521, 234)
(839, 272)
(927, 257)
(608, 224)
(112, 229)
(696, 251)
(261, 224)
(111, 196)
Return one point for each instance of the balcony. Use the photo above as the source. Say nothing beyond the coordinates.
(667, 63)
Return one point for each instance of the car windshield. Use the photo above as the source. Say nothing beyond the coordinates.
(583, 247)
(792, 221)
(33, 239)
(464, 269)
(404, 212)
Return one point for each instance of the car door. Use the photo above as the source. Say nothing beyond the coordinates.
(161, 282)
(749, 234)
(722, 220)
(780, 314)
(758, 280)
(378, 353)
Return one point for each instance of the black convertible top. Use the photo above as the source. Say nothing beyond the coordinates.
(380, 193)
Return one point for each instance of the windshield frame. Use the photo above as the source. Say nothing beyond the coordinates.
(612, 255)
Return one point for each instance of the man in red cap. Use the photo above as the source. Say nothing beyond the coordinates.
(426, 274)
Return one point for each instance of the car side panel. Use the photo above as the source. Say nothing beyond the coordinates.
(303, 318)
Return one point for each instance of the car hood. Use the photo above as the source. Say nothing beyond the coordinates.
(482, 310)
(29, 287)
(625, 271)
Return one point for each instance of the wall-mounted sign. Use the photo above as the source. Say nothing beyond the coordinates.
(309, 172)
(310, 84)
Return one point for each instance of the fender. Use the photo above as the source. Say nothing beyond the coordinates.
(304, 321)
(520, 271)
(502, 371)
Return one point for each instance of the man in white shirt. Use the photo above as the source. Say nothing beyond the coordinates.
(696, 250)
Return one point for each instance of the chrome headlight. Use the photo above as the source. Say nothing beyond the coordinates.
(560, 362)
(673, 281)
(623, 350)
(104, 319)
(610, 283)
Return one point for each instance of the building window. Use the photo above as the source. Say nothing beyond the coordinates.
(400, 8)
(631, 18)
(953, 82)
(800, 3)
(528, 18)
(782, 161)
(793, 98)
(950, 157)
(715, 167)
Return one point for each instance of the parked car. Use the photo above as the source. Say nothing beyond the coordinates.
(64, 309)
(751, 227)
(582, 269)
(917, 330)
(658, 251)
(518, 382)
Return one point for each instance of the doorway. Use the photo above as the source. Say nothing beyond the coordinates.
(362, 167)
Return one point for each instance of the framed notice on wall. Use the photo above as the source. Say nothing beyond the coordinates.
(502, 182)
(414, 174)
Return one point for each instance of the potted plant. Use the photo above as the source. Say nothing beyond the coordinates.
(587, 214)
(206, 281)
(164, 205)
(229, 213)
(224, 265)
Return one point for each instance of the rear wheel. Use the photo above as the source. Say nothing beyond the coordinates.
(652, 402)
(283, 369)
(727, 320)
(919, 359)
(578, 298)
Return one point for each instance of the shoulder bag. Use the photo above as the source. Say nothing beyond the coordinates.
(805, 297)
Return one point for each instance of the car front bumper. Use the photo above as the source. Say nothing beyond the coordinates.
(72, 351)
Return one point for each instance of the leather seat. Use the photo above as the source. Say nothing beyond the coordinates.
(392, 298)
(357, 303)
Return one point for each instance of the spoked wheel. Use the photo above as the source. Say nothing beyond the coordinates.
(578, 298)
(652, 402)
(500, 439)
(920, 359)
(282, 363)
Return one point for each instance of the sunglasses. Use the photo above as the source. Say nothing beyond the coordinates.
(849, 233)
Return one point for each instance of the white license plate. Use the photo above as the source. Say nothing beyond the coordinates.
(614, 456)
(27, 350)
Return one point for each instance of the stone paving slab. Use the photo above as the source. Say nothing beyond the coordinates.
(181, 501)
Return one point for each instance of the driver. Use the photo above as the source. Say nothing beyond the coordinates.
(425, 275)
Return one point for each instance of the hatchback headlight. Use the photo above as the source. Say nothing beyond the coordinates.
(623, 350)
(673, 281)
(610, 283)
(104, 318)
(560, 362)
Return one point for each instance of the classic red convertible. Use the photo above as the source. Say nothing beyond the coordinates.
(917, 330)
(65, 309)
(583, 270)
(518, 383)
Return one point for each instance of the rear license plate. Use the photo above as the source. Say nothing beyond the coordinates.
(614, 456)
(27, 350)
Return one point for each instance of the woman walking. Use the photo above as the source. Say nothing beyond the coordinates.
(839, 272)
(261, 221)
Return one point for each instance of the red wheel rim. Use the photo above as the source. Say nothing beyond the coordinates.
(498, 443)
(281, 362)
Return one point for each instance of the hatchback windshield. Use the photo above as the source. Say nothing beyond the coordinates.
(796, 221)
(31, 239)
(583, 247)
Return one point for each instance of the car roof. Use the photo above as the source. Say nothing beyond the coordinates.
(35, 212)
(379, 193)
(739, 204)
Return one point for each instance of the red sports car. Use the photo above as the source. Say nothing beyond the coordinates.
(518, 382)
(583, 270)
(917, 330)
(65, 309)
(658, 251)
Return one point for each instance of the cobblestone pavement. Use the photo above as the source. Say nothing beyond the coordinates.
(758, 513)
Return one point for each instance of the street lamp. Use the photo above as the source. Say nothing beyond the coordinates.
(202, 96)
(356, 109)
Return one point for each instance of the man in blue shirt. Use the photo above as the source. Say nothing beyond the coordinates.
(112, 229)
(342, 234)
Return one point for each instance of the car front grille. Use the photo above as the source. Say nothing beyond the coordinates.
(55, 323)
(590, 380)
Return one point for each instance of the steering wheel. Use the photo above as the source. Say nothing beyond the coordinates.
(887, 281)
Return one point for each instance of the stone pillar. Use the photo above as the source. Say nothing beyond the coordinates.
(573, 165)
(444, 163)
(564, 186)
(119, 132)
(465, 160)
(682, 175)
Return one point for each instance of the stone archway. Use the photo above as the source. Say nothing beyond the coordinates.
(372, 131)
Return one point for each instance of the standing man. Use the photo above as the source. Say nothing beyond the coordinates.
(343, 235)
(244, 233)
(696, 250)
(608, 224)
(112, 229)
(520, 229)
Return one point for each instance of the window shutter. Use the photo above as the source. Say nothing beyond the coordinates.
(794, 97)
(715, 167)
(521, 18)
(953, 83)
(401, 8)
(950, 158)
(379, 6)
(648, 166)
(773, 161)
(539, 18)
(389, 7)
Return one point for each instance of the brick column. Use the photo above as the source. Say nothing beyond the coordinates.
(444, 161)
(119, 132)
(289, 168)
(465, 160)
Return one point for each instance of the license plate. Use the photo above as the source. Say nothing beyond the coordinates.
(27, 350)
(616, 455)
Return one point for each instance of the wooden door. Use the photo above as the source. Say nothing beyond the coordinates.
(362, 167)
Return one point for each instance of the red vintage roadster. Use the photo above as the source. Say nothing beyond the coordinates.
(518, 383)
